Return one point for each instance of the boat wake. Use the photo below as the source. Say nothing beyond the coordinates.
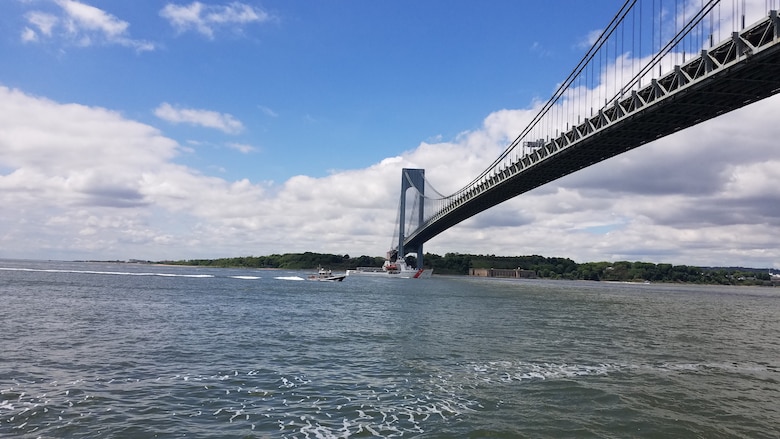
(111, 273)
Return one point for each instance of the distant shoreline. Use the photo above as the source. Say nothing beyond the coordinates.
(457, 264)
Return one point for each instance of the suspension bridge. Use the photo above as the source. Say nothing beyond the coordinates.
(659, 66)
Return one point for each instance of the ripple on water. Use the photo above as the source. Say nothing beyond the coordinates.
(252, 400)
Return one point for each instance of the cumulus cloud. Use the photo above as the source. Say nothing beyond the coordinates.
(85, 182)
(206, 19)
(81, 24)
(50, 146)
(205, 118)
(80, 181)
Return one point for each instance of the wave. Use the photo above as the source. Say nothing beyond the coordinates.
(265, 401)
(507, 371)
(289, 278)
(292, 403)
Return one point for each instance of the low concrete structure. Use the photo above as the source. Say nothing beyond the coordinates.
(512, 273)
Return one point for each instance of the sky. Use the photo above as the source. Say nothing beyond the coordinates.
(162, 130)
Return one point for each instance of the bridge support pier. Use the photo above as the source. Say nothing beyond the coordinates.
(411, 178)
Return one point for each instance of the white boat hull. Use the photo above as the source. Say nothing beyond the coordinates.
(393, 271)
(328, 279)
(325, 275)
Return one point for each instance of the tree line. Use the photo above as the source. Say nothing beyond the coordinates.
(544, 267)
(288, 261)
(621, 271)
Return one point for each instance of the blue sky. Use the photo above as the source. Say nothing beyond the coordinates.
(155, 129)
(346, 82)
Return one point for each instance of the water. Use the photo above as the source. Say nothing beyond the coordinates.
(131, 351)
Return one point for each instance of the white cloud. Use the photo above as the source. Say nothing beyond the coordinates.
(590, 39)
(83, 25)
(44, 22)
(205, 19)
(84, 182)
(242, 147)
(81, 181)
(268, 112)
(205, 118)
(29, 35)
(80, 17)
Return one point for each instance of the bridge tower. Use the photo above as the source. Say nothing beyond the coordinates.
(411, 178)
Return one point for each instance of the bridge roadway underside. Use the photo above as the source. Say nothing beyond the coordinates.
(744, 83)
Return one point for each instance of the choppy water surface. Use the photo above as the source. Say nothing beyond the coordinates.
(129, 351)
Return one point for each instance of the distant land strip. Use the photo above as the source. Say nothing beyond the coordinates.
(540, 266)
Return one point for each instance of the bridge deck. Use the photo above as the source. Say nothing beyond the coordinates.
(738, 72)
